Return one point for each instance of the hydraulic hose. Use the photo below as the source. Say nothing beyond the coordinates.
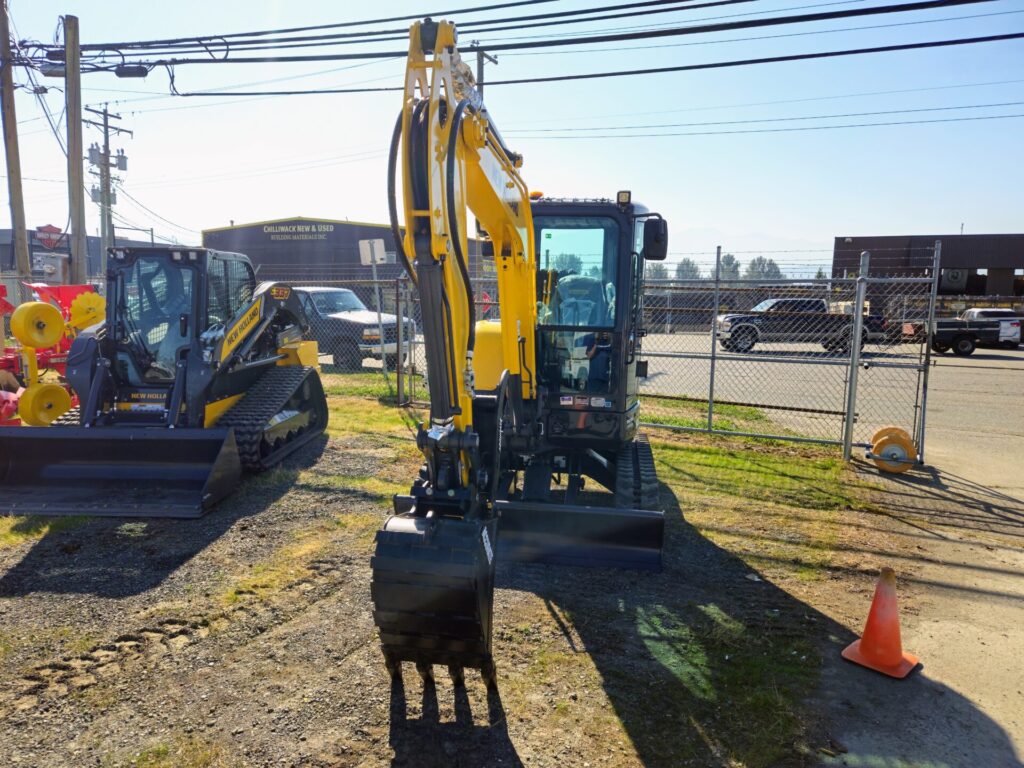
(453, 219)
(396, 233)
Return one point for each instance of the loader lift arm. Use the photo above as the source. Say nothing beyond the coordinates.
(451, 158)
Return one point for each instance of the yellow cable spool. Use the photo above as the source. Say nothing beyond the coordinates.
(37, 324)
(890, 430)
(894, 453)
(42, 404)
(86, 309)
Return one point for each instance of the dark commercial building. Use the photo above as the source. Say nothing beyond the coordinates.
(971, 265)
(302, 250)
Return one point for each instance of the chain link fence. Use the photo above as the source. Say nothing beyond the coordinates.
(827, 359)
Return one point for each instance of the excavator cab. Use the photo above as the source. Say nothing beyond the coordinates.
(590, 261)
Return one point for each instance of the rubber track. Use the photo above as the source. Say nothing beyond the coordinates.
(250, 415)
(636, 479)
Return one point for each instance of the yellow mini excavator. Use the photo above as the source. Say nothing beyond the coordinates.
(196, 374)
(522, 409)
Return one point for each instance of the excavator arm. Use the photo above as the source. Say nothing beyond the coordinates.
(434, 560)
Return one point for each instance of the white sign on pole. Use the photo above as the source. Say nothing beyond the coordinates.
(371, 252)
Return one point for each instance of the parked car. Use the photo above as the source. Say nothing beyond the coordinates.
(794, 320)
(347, 330)
(975, 327)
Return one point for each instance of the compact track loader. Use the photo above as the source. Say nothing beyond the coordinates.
(523, 410)
(196, 374)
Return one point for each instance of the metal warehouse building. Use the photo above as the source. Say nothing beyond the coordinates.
(305, 250)
(972, 265)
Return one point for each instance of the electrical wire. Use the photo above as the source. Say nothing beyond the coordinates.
(340, 25)
(762, 37)
(779, 130)
(395, 35)
(150, 211)
(918, 5)
(768, 119)
(656, 70)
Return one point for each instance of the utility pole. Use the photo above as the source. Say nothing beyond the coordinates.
(76, 183)
(482, 56)
(19, 233)
(106, 198)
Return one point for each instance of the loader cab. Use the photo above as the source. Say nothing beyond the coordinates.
(590, 265)
(165, 298)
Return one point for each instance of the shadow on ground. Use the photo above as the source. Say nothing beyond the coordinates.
(706, 666)
(426, 741)
(107, 557)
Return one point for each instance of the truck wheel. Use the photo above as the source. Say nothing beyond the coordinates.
(964, 345)
(726, 345)
(940, 347)
(347, 356)
(391, 362)
(743, 340)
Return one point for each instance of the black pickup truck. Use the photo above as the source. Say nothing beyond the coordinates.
(794, 320)
(348, 331)
(974, 328)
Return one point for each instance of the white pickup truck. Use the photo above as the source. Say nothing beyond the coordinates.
(1011, 322)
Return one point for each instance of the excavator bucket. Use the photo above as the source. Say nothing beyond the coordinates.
(116, 471)
(572, 534)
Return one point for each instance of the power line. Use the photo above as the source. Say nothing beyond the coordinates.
(768, 59)
(764, 37)
(154, 213)
(394, 35)
(340, 25)
(766, 119)
(199, 45)
(782, 101)
(780, 130)
(608, 38)
(655, 70)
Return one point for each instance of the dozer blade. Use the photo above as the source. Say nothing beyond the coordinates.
(115, 471)
(570, 534)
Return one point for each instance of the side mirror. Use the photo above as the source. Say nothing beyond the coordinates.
(655, 239)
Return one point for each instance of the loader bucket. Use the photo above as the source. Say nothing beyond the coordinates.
(572, 534)
(115, 471)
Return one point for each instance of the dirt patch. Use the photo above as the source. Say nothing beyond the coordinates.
(246, 638)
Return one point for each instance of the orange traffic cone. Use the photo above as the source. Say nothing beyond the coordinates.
(879, 648)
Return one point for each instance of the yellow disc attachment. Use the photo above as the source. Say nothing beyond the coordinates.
(42, 404)
(890, 430)
(87, 309)
(37, 324)
(894, 453)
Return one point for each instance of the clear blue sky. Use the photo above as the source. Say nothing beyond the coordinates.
(201, 163)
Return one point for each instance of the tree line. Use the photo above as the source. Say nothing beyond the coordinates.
(730, 268)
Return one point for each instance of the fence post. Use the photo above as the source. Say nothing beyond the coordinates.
(929, 328)
(399, 338)
(714, 340)
(855, 339)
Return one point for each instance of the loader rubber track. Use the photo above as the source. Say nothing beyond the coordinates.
(268, 397)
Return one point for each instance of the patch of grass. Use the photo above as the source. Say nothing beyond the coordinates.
(17, 529)
(181, 752)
